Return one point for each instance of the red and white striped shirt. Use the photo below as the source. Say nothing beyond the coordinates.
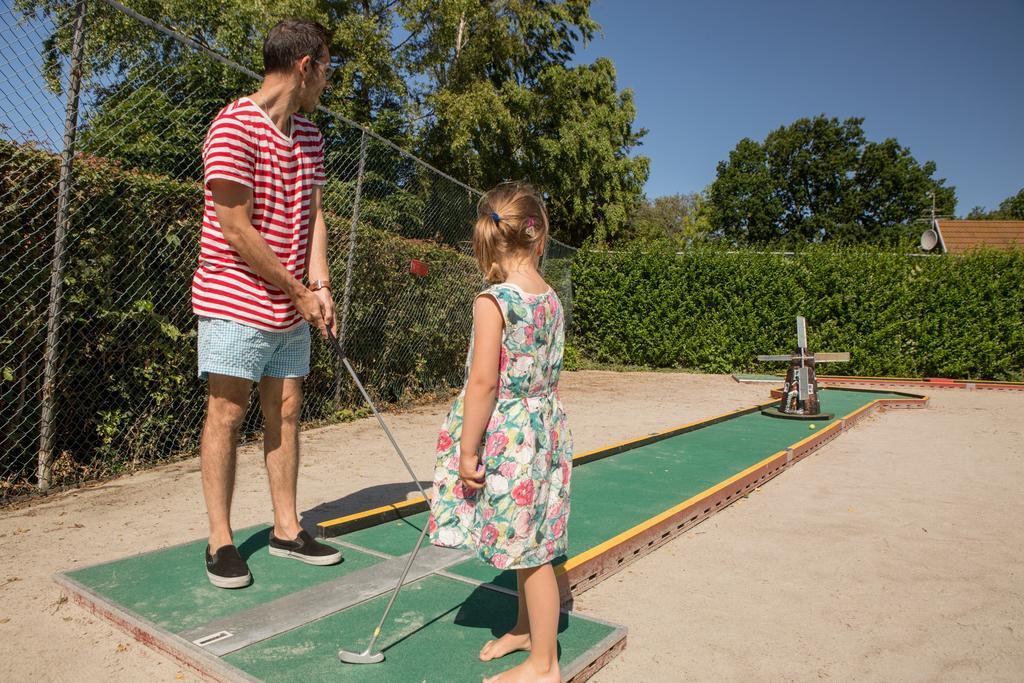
(244, 146)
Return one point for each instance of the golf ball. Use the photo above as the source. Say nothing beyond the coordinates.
(810, 426)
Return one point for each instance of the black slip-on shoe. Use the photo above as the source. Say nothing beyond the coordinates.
(226, 568)
(304, 548)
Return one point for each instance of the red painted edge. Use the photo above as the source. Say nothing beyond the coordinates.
(933, 382)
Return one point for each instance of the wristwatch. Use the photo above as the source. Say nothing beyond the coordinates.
(319, 284)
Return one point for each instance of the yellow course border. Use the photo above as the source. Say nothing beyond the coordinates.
(372, 517)
(386, 513)
(595, 564)
(586, 555)
(581, 571)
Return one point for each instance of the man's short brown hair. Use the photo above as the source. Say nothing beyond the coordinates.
(291, 40)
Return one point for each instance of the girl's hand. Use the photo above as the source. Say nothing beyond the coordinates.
(471, 471)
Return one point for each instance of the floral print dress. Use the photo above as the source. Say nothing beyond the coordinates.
(519, 518)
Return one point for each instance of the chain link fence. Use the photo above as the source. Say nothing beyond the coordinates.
(100, 213)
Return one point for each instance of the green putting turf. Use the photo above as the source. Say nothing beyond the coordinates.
(614, 494)
(169, 587)
(437, 627)
(438, 623)
(434, 631)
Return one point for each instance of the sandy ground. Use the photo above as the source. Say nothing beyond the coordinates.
(893, 553)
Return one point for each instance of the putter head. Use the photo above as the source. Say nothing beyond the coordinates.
(360, 657)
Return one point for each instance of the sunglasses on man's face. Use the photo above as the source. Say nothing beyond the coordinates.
(329, 67)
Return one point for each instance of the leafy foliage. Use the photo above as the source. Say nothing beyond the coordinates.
(682, 218)
(501, 102)
(1010, 209)
(578, 151)
(821, 180)
(715, 310)
(128, 392)
(481, 90)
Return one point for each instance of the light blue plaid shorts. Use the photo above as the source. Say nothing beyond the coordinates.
(236, 350)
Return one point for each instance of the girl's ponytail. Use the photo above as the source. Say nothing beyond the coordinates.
(511, 218)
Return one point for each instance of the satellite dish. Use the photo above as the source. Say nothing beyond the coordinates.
(929, 238)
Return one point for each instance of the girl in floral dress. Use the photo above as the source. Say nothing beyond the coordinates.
(504, 455)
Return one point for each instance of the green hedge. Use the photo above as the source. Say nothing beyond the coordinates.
(714, 311)
(127, 392)
(123, 387)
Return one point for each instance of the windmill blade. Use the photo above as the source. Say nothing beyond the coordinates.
(775, 358)
(803, 385)
(801, 332)
(831, 357)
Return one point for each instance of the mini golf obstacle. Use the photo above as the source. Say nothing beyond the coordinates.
(800, 390)
(628, 499)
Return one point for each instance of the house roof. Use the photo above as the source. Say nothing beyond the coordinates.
(958, 237)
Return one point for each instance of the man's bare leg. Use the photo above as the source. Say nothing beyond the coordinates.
(225, 409)
(281, 402)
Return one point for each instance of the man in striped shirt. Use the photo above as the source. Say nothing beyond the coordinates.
(263, 231)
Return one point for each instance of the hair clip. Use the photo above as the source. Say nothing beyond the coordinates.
(530, 231)
(496, 217)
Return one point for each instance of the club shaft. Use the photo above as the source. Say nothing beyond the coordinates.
(384, 426)
(408, 467)
(398, 587)
(376, 413)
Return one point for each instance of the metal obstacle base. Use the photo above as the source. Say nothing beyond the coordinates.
(775, 412)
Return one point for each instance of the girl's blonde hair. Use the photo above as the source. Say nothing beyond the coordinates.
(510, 219)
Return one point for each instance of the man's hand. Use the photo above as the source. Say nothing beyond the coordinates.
(327, 306)
(309, 306)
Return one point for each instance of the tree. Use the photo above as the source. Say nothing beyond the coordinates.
(678, 217)
(820, 180)
(743, 206)
(481, 89)
(498, 101)
(1010, 209)
(577, 147)
(370, 86)
(152, 97)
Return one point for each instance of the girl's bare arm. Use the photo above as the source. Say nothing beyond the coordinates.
(482, 386)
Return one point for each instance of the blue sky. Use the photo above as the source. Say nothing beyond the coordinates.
(946, 79)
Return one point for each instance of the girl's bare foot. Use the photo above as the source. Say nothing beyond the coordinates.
(510, 642)
(528, 672)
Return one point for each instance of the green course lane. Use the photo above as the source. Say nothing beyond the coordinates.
(614, 494)
(438, 622)
(169, 587)
(434, 633)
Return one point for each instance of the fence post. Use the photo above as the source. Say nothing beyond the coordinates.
(347, 296)
(51, 357)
